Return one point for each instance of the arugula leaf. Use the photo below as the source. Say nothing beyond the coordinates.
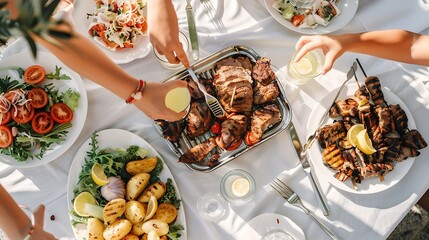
(170, 195)
(57, 75)
(71, 99)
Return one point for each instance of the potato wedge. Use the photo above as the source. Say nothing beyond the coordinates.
(131, 236)
(136, 185)
(166, 212)
(113, 210)
(117, 230)
(95, 229)
(156, 189)
(134, 211)
(141, 166)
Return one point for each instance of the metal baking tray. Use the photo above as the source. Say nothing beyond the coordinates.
(205, 69)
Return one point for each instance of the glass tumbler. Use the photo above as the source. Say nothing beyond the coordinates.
(307, 68)
(174, 66)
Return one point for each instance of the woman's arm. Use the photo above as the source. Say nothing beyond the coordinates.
(397, 45)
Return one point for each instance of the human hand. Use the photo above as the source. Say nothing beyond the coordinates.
(38, 232)
(330, 45)
(163, 31)
(153, 104)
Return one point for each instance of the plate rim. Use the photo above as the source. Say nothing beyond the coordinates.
(351, 5)
(78, 122)
(322, 170)
(77, 163)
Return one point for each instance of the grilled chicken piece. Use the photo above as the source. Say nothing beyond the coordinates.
(385, 119)
(400, 118)
(199, 119)
(245, 62)
(369, 120)
(332, 157)
(171, 130)
(234, 89)
(260, 121)
(362, 93)
(230, 61)
(198, 152)
(377, 169)
(374, 87)
(346, 108)
(262, 71)
(329, 134)
(413, 139)
(194, 90)
(352, 157)
(265, 94)
(232, 131)
(345, 172)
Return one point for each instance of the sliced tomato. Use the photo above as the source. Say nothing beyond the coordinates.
(23, 113)
(42, 123)
(6, 137)
(249, 139)
(13, 96)
(234, 145)
(38, 96)
(297, 19)
(61, 113)
(34, 74)
(215, 128)
(5, 117)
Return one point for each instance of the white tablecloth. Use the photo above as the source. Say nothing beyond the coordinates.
(220, 24)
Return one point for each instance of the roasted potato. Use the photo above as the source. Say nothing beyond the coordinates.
(134, 211)
(117, 230)
(141, 166)
(166, 212)
(113, 210)
(95, 229)
(137, 229)
(163, 237)
(158, 226)
(130, 236)
(156, 189)
(136, 185)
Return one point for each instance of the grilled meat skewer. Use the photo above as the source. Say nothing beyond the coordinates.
(198, 152)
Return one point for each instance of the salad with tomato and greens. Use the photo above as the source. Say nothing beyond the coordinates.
(34, 114)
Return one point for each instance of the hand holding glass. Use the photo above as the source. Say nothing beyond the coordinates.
(307, 68)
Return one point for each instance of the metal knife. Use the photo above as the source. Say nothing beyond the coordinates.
(192, 31)
(307, 168)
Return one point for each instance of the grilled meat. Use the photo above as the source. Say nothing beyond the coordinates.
(362, 93)
(385, 119)
(400, 118)
(413, 139)
(265, 93)
(329, 134)
(198, 152)
(234, 89)
(377, 169)
(262, 71)
(232, 131)
(346, 108)
(199, 119)
(261, 120)
(230, 61)
(171, 130)
(194, 90)
(245, 62)
(374, 87)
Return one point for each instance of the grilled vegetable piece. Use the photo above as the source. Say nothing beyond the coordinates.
(117, 230)
(332, 157)
(374, 87)
(141, 166)
(156, 189)
(262, 71)
(113, 210)
(134, 211)
(199, 119)
(136, 185)
(198, 152)
(261, 120)
(166, 212)
(94, 229)
(329, 134)
(345, 108)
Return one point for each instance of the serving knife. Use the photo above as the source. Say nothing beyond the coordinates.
(307, 168)
(192, 30)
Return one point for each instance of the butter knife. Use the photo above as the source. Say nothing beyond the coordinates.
(307, 168)
(192, 30)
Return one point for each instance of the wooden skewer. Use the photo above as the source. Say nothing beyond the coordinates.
(361, 68)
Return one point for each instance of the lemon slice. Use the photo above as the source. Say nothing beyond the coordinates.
(240, 187)
(303, 66)
(364, 143)
(81, 200)
(151, 208)
(97, 174)
(353, 132)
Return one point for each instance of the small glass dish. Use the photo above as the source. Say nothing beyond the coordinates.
(277, 234)
(173, 66)
(238, 187)
(212, 207)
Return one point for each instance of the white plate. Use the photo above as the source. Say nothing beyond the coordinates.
(115, 138)
(260, 225)
(347, 8)
(49, 61)
(370, 185)
(141, 47)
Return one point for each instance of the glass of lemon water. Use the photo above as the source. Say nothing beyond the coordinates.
(307, 68)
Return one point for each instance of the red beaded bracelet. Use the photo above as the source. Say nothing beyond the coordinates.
(137, 94)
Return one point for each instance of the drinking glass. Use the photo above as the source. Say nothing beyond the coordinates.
(238, 187)
(302, 3)
(173, 66)
(307, 68)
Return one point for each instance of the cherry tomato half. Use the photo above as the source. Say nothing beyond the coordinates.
(42, 123)
(249, 139)
(6, 137)
(34, 74)
(38, 96)
(23, 113)
(61, 113)
(215, 128)
(5, 117)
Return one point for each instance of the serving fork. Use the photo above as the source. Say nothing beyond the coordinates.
(293, 198)
(211, 101)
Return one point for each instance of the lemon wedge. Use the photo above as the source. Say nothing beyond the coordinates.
(152, 206)
(363, 102)
(97, 174)
(364, 143)
(353, 132)
(81, 201)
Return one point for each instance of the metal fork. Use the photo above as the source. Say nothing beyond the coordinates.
(292, 198)
(313, 136)
(211, 101)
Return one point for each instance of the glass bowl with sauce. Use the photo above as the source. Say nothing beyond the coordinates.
(238, 187)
